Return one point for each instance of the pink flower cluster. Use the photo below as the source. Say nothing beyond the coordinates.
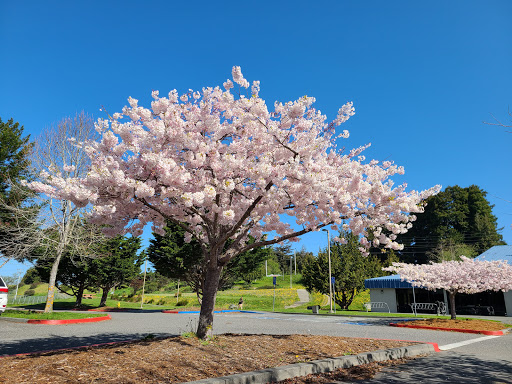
(224, 166)
(465, 276)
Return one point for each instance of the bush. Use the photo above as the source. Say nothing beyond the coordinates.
(162, 301)
(34, 285)
(266, 287)
(30, 292)
(182, 302)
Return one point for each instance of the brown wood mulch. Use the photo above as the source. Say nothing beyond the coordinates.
(180, 359)
(471, 324)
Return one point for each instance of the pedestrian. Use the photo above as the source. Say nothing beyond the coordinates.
(241, 303)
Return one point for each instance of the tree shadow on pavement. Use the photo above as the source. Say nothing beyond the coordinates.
(55, 342)
(447, 367)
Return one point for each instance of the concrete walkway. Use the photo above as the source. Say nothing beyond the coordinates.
(303, 298)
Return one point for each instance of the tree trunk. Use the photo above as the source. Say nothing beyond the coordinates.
(351, 298)
(451, 297)
(104, 295)
(80, 293)
(211, 285)
(51, 283)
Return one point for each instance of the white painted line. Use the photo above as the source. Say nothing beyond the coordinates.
(462, 343)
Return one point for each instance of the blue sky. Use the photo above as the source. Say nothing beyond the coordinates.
(423, 76)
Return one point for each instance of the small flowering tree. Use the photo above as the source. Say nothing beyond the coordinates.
(465, 276)
(222, 166)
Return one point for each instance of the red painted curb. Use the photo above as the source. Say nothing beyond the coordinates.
(169, 311)
(492, 333)
(70, 321)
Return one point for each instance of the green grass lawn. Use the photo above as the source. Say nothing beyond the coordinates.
(49, 316)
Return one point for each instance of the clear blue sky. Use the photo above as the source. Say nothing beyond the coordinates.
(423, 76)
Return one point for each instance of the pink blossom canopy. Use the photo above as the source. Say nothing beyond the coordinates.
(466, 276)
(223, 165)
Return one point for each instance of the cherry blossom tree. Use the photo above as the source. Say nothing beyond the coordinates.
(222, 166)
(465, 276)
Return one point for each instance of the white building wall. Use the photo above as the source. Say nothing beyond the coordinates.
(386, 295)
(508, 302)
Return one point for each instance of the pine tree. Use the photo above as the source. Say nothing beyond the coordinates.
(457, 221)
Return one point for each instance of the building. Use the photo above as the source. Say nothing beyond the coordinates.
(400, 295)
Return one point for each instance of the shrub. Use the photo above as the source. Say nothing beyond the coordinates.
(162, 301)
(34, 285)
(182, 302)
(30, 292)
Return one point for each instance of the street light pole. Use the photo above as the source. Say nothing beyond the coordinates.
(329, 257)
(144, 283)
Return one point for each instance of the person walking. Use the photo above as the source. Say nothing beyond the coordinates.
(241, 303)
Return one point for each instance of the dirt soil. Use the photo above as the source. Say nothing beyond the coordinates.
(180, 359)
(473, 324)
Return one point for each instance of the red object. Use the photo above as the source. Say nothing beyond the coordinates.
(6, 290)
(70, 321)
(492, 333)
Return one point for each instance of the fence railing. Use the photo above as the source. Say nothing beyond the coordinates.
(30, 300)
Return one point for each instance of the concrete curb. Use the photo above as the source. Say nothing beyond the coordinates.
(319, 366)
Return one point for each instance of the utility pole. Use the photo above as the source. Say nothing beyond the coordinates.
(295, 260)
(144, 283)
(291, 271)
(329, 256)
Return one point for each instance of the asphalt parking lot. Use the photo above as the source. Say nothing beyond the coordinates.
(475, 357)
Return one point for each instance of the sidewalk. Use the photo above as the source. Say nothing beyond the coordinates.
(303, 299)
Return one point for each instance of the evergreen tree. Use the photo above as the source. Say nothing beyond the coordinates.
(118, 264)
(14, 167)
(283, 252)
(348, 266)
(73, 273)
(177, 259)
(457, 221)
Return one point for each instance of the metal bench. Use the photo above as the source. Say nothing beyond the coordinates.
(438, 307)
(88, 296)
(376, 305)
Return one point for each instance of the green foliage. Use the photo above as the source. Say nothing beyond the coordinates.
(182, 302)
(74, 273)
(348, 266)
(456, 221)
(118, 263)
(30, 292)
(14, 161)
(176, 259)
(14, 167)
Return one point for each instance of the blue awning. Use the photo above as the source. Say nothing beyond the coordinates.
(393, 281)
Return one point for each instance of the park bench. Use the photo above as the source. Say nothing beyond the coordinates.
(376, 305)
(88, 296)
(439, 308)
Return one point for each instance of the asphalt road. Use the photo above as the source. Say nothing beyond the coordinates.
(467, 357)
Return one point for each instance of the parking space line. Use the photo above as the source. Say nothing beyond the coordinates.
(462, 343)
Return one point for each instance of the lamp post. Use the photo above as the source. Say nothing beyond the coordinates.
(329, 257)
